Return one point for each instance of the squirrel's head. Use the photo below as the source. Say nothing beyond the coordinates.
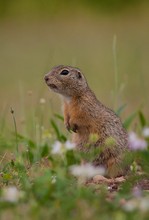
(66, 80)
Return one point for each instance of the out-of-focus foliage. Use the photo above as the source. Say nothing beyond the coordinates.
(49, 7)
(45, 177)
(112, 5)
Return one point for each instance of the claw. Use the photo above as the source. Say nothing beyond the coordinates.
(73, 128)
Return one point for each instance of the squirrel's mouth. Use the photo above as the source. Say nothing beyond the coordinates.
(52, 86)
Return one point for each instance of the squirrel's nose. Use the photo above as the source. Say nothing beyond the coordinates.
(46, 78)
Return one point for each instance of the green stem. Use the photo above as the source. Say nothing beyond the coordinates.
(115, 72)
(15, 127)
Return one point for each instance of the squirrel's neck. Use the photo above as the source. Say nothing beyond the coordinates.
(87, 95)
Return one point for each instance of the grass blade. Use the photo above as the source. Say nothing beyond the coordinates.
(15, 127)
(121, 109)
(60, 117)
(129, 120)
(56, 129)
(142, 119)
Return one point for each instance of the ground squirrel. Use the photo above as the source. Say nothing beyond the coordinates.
(84, 114)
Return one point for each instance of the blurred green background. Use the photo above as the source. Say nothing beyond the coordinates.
(36, 35)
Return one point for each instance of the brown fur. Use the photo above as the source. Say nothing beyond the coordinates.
(85, 115)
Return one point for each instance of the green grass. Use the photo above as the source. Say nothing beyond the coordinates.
(46, 188)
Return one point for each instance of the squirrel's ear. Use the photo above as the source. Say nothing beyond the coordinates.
(79, 76)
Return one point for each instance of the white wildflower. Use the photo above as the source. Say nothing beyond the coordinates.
(69, 145)
(138, 203)
(42, 101)
(131, 205)
(137, 192)
(145, 132)
(57, 148)
(10, 194)
(144, 204)
(136, 143)
(86, 170)
(53, 179)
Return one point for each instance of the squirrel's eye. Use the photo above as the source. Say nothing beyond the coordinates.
(64, 72)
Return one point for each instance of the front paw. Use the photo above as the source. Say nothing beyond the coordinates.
(73, 127)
